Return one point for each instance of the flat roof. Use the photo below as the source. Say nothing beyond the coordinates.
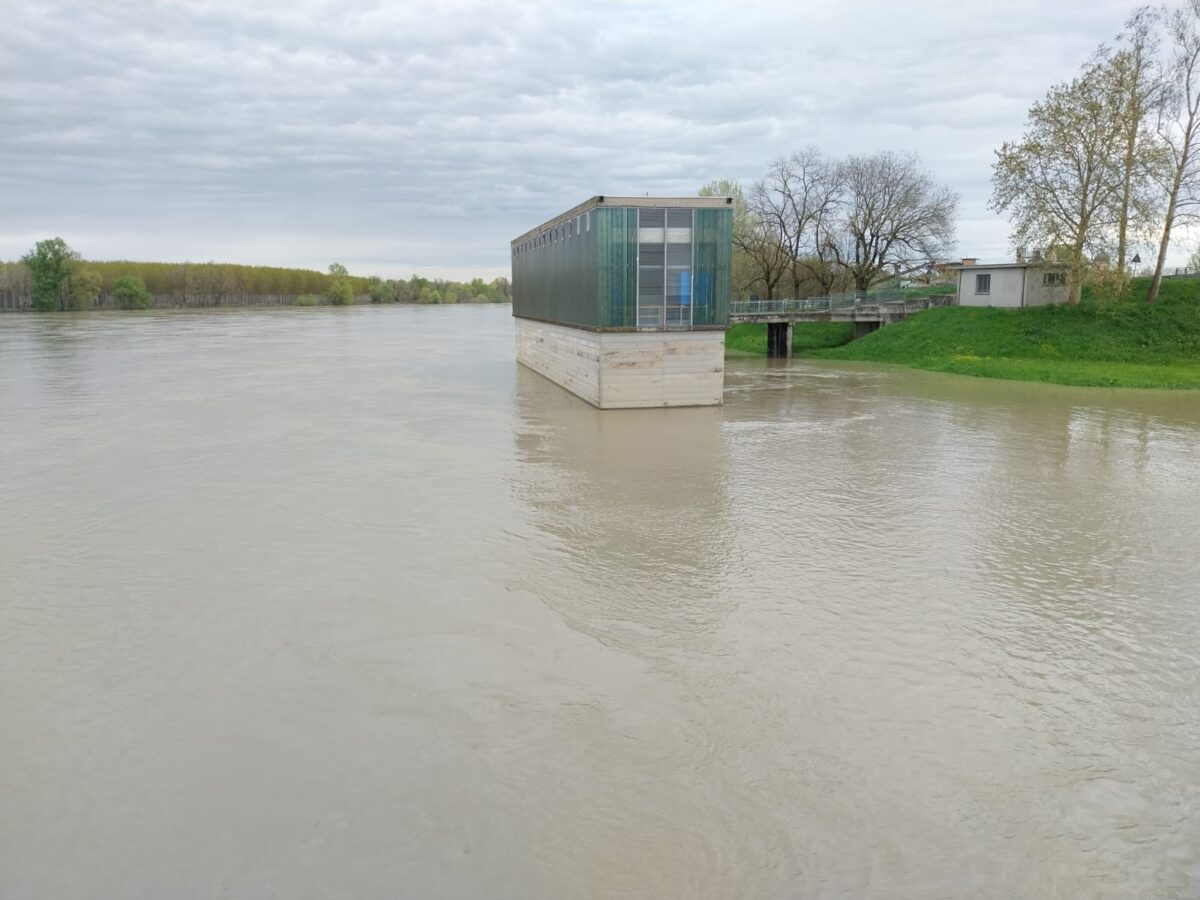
(651, 202)
(1029, 264)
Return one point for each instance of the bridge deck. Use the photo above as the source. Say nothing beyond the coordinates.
(866, 315)
(827, 309)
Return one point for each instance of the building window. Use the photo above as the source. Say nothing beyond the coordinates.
(664, 267)
(983, 284)
(1054, 279)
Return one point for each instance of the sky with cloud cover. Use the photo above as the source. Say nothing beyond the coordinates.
(405, 137)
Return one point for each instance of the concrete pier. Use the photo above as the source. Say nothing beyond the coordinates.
(626, 369)
(779, 339)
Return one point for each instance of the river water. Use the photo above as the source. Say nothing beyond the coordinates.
(322, 603)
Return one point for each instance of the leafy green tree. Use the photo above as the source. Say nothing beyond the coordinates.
(379, 290)
(131, 292)
(501, 289)
(341, 292)
(1061, 183)
(337, 270)
(1180, 131)
(83, 288)
(51, 263)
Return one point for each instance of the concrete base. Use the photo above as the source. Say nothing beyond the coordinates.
(626, 369)
(779, 339)
(862, 329)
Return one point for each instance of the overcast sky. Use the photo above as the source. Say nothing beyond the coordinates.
(405, 137)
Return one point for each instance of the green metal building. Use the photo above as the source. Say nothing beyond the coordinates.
(619, 263)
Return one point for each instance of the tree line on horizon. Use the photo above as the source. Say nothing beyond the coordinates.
(55, 277)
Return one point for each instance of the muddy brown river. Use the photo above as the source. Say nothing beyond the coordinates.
(344, 603)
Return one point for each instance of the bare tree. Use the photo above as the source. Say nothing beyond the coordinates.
(798, 198)
(758, 238)
(1061, 182)
(895, 217)
(1180, 129)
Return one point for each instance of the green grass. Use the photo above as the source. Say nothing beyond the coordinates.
(1126, 343)
(806, 336)
(932, 290)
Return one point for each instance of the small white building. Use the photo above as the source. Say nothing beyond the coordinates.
(1011, 285)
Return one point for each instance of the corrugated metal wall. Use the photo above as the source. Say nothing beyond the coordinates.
(590, 278)
(556, 280)
(616, 233)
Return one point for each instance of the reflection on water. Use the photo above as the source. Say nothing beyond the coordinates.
(633, 503)
(345, 603)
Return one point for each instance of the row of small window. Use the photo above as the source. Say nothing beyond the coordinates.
(983, 283)
(569, 229)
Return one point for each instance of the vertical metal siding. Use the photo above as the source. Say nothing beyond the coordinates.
(713, 236)
(616, 230)
(555, 279)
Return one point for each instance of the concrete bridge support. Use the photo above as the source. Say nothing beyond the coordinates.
(862, 329)
(779, 339)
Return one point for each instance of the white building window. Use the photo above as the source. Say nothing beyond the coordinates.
(1054, 279)
(983, 284)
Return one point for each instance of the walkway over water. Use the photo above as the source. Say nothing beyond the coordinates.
(867, 313)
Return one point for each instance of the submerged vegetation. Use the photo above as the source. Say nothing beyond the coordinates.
(1121, 343)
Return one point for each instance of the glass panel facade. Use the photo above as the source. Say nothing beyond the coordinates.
(679, 267)
(664, 268)
(713, 250)
(616, 231)
(625, 267)
(651, 280)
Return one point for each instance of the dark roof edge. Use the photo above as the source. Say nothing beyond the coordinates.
(626, 202)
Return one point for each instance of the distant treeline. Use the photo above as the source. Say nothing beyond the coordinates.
(52, 276)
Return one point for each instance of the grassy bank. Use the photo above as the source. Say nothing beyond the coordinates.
(1126, 343)
(807, 336)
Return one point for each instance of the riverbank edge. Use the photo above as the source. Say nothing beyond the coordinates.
(252, 301)
(1117, 344)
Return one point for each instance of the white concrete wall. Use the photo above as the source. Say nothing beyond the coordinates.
(1006, 287)
(1039, 294)
(569, 357)
(661, 368)
(621, 370)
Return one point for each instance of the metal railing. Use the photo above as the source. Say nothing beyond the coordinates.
(813, 304)
(893, 301)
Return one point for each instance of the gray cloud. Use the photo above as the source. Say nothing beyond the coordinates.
(401, 137)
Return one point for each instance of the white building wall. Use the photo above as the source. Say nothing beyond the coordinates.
(1007, 285)
(621, 370)
(570, 357)
(1038, 293)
